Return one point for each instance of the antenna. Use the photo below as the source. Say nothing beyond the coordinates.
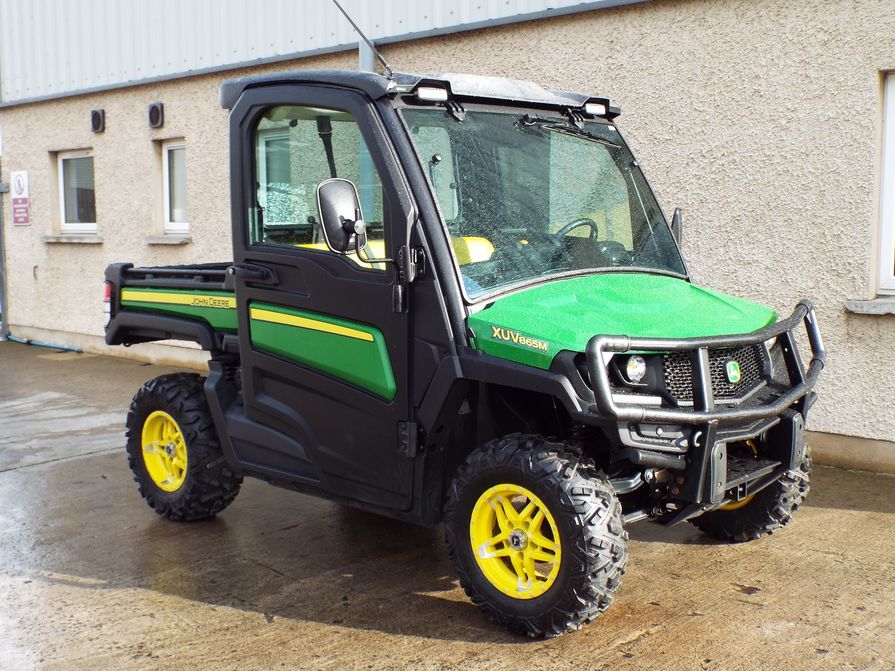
(388, 68)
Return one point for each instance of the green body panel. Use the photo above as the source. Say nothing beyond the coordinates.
(532, 326)
(360, 362)
(219, 318)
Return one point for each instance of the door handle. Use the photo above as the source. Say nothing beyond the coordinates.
(251, 273)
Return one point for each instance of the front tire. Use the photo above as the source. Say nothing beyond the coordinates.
(173, 450)
(536, 535)
(764, 513)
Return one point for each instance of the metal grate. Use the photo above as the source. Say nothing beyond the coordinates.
(679, 372)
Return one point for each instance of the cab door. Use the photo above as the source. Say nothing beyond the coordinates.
(323, 344)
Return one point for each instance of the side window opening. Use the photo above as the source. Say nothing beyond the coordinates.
(296, 148)
(435, 146)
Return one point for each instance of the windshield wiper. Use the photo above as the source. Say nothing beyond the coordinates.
(527, 121)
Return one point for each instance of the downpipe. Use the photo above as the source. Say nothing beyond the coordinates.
(38, 343)
(4, 308)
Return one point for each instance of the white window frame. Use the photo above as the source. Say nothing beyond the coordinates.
(79, 227)
(171, 227)
(887, 191)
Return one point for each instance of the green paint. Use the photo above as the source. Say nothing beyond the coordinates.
(360, 362)
(565, 314)
(220, 319)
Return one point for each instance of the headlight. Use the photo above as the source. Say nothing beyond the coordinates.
(635, 369)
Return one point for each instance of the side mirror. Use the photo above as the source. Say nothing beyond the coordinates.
(341, 219)
(676, 226)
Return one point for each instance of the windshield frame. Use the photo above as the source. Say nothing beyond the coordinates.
(511, 109)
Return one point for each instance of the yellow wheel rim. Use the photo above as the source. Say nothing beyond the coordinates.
(164, 451)
(736, 505)
(515, 541)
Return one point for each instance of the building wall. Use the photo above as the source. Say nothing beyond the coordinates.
(762, 120)
(55, 289)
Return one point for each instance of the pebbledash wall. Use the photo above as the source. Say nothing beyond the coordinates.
(762, 120)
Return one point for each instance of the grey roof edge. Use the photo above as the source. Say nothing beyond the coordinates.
(552, 12)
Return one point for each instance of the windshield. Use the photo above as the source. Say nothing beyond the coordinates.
(526, 198)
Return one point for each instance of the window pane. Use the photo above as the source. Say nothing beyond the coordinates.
(292, 159)
(434, 145)
(177, 185)
(283, 201)
(586, 182)
(77, 188)
(531, 201)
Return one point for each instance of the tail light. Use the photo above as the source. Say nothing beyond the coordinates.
(107, 302)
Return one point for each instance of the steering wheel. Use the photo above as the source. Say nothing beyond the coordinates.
(615, 253)
(578, 223)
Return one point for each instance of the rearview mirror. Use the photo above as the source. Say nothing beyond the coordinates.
(676, 225)
(340, 215)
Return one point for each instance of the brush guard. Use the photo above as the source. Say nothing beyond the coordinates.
(710, 477)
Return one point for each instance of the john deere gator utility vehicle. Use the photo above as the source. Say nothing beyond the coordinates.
(456, 300)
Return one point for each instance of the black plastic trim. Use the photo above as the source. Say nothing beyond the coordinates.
(486, 368)
(131, 327)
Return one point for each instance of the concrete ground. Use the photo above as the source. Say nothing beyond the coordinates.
(91, 578)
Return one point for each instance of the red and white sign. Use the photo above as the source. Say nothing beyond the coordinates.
(21, 215)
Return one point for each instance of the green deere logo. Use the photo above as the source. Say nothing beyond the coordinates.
(732, 369)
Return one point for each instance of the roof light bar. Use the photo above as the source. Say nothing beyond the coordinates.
(595, 109)
(432, 94)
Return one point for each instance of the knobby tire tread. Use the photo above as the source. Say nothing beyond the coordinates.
(771, 509)
(210, 485)
(599, 549)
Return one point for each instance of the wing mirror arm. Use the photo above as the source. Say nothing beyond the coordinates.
(358, 228)
(345, 230)
(676, 225)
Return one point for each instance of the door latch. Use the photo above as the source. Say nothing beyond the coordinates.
(411, 263)
(249, 272)
(408, 439)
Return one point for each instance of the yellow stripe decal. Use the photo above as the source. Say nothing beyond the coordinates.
(312, 324)
(194, 300)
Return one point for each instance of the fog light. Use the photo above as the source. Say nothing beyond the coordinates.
(635, 368)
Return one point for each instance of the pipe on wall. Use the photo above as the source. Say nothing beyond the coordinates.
(38, 343)
(4, 308)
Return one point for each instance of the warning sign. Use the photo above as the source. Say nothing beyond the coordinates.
(21, 215)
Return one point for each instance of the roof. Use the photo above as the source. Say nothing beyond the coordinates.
(377, 86)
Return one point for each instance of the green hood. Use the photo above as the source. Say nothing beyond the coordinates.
(532, 326)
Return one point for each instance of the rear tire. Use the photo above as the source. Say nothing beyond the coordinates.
(191, 481)
(580, 516)
(769, 510)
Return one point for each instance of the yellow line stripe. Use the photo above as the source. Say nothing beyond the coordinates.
(195, 300)
(312, 324)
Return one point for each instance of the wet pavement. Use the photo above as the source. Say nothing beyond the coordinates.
(91, 578)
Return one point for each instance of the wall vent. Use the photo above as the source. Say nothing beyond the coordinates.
(97, 120)
(156, 115)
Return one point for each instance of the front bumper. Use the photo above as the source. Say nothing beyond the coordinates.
(704, 408)
(699, 452)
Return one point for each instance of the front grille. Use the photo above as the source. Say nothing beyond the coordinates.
(679, 372)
